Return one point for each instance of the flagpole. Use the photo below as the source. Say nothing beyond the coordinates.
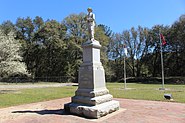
(162, 67)
(125, 54)
(125, 81)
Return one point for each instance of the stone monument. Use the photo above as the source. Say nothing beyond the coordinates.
(92, 98)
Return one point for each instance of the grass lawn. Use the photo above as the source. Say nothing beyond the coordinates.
(147, 91)
(137, 91)
(24, 96)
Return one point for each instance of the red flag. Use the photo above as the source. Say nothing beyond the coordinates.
(163, 39)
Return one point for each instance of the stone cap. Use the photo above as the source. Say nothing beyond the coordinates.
(89, 43)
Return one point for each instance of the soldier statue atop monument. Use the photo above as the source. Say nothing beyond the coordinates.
(90, 23)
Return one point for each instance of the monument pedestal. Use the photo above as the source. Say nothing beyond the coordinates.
(92, 98)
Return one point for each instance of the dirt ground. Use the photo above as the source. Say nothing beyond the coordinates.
(132, 111)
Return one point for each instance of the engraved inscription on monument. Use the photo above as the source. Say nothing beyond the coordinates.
(84, 77)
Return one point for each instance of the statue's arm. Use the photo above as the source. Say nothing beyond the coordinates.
(91, 18)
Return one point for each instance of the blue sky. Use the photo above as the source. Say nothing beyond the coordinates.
(117, 14)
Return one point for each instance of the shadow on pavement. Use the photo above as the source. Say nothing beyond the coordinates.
(45, 112)
(50, 112)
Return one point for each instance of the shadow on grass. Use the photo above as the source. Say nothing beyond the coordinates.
(45, 112)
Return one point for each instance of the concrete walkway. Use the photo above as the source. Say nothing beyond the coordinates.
(36, 85)
(132, 111)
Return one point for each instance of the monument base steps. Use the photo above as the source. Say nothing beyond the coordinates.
(92, 111)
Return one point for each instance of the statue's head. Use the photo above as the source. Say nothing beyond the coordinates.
(89, 9)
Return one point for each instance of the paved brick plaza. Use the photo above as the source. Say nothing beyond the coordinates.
(132, 111)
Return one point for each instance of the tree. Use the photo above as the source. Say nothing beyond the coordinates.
(115, 52)
(142, 49)
(107, 31)
(153, 58)
(176, 48)
(11, 63)
(26, 32)
(76, 35)
(7, 27)
(48, 50)
(137, 43)
(38, 22)
(76, 27)
(103, 34)
(25, 28)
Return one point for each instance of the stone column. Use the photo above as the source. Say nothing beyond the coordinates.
(92, 98)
